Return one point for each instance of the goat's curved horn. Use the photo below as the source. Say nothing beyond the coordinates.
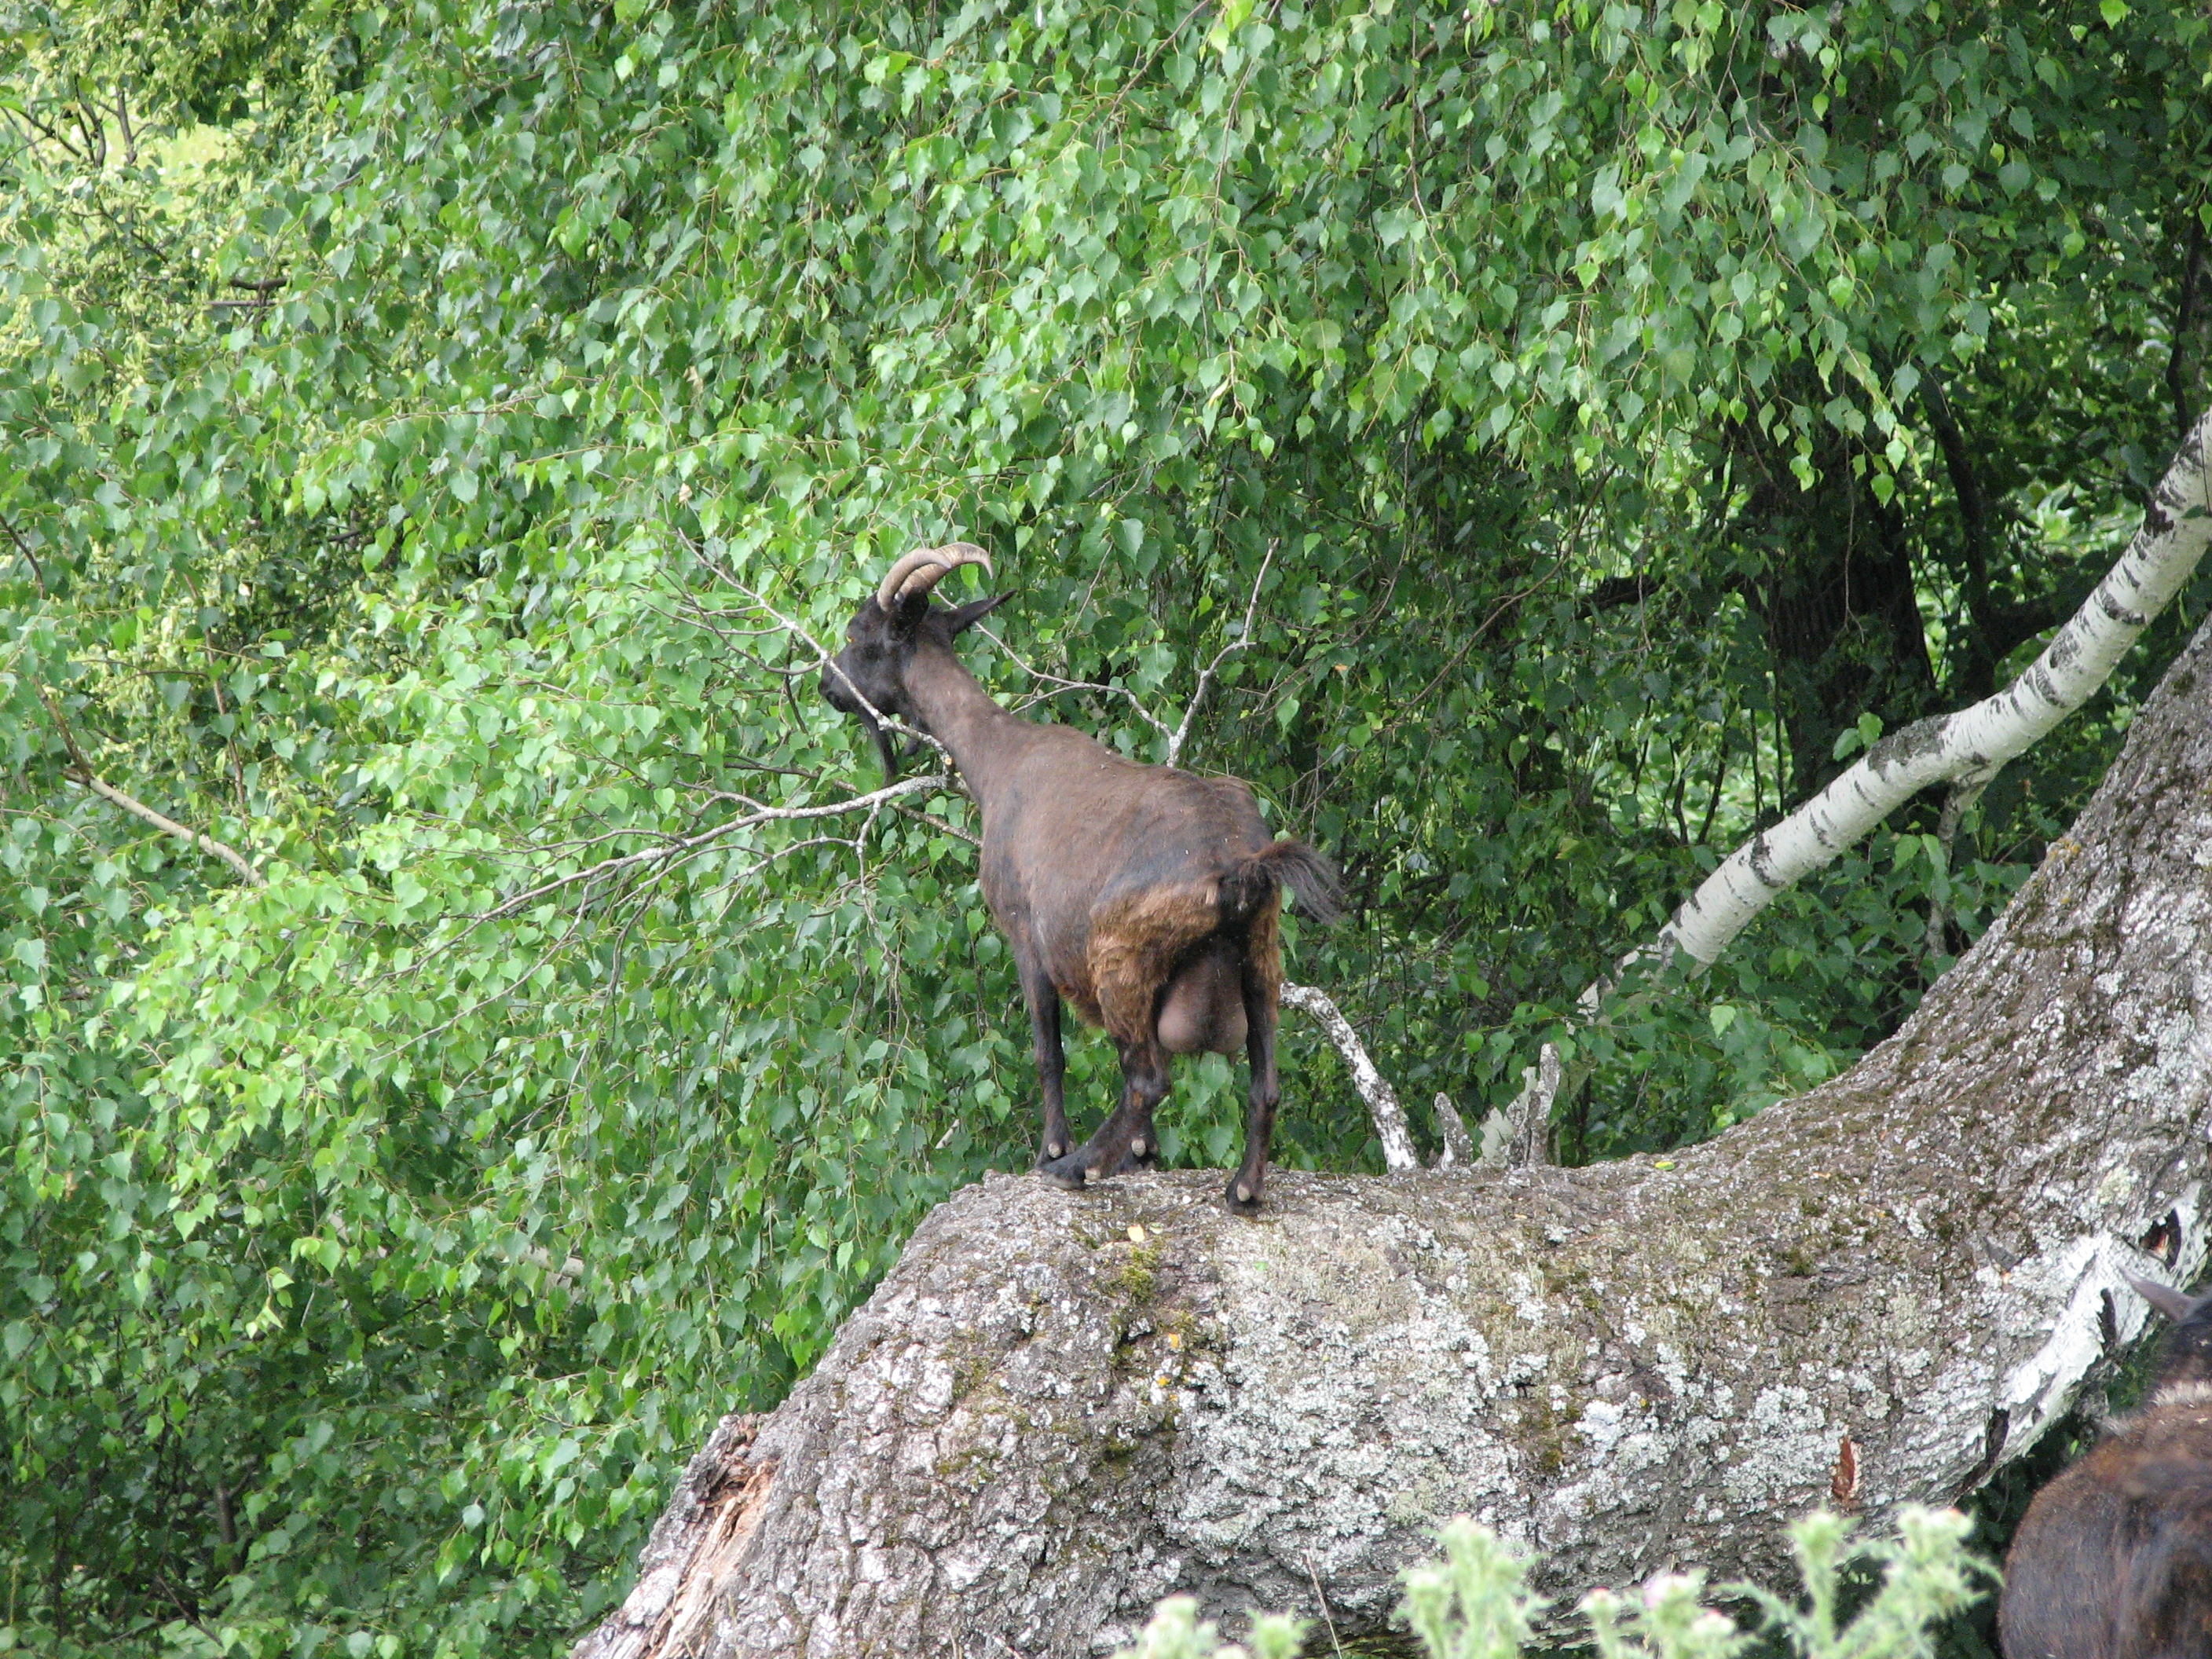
(895, 579)
(922, 569)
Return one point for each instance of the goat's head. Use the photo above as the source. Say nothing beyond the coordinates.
(893, 624)
(2188, 1355)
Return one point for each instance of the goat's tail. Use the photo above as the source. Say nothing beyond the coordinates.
(1251, 882)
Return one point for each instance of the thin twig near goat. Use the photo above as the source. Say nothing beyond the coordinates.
(1144, 895)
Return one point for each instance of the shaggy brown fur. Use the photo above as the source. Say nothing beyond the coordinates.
(2114, 1557)
(1137, 942)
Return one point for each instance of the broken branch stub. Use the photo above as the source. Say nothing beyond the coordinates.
(1459, 1145)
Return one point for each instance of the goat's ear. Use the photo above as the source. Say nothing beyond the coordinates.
(966, 615)
(2171, 1302)
(907, 614)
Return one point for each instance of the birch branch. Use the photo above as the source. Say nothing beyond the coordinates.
(1973, 743)
(236, 860)
(106, 791)
(1206, 678)
(798, 631)
(1136, 703)
(680, 846)
(1389, 1117)
(38, 570)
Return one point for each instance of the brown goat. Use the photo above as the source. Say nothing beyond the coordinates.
(1144, 895)
(2114, 1557)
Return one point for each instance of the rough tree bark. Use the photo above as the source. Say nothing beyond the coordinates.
(1061, 1407)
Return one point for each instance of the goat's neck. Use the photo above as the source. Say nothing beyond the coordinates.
(959, 714)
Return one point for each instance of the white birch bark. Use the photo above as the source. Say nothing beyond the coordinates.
(1970, 745)
(1382, 1100)
(1459, 1145)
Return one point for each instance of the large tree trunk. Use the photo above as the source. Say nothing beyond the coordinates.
(1060, 1407)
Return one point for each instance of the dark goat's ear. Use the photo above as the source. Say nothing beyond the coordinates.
(2171, 1302)
(907, 613)
(966, 615)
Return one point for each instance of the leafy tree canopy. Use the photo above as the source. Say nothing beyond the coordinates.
(436, 435)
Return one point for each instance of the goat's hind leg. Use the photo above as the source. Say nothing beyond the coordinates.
(1043, 999)
(1143, 1085)
(1260, 1013)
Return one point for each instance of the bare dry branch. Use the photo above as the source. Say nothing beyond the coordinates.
(679, 847)
(206, 843)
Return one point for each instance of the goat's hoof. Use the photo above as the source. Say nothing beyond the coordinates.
(1068, 1171)
(1241, 1196)
(1133, 1159)
(1051, 1151)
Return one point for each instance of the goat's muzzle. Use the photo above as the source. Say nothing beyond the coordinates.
(837, 691)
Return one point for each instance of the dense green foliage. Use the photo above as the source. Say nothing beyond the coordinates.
(434, 433)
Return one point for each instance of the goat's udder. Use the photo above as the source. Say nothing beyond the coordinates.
(1202, 1009)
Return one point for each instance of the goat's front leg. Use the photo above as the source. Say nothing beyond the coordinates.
(1143, 1085)
(1261, 1013)
(1044, 998)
